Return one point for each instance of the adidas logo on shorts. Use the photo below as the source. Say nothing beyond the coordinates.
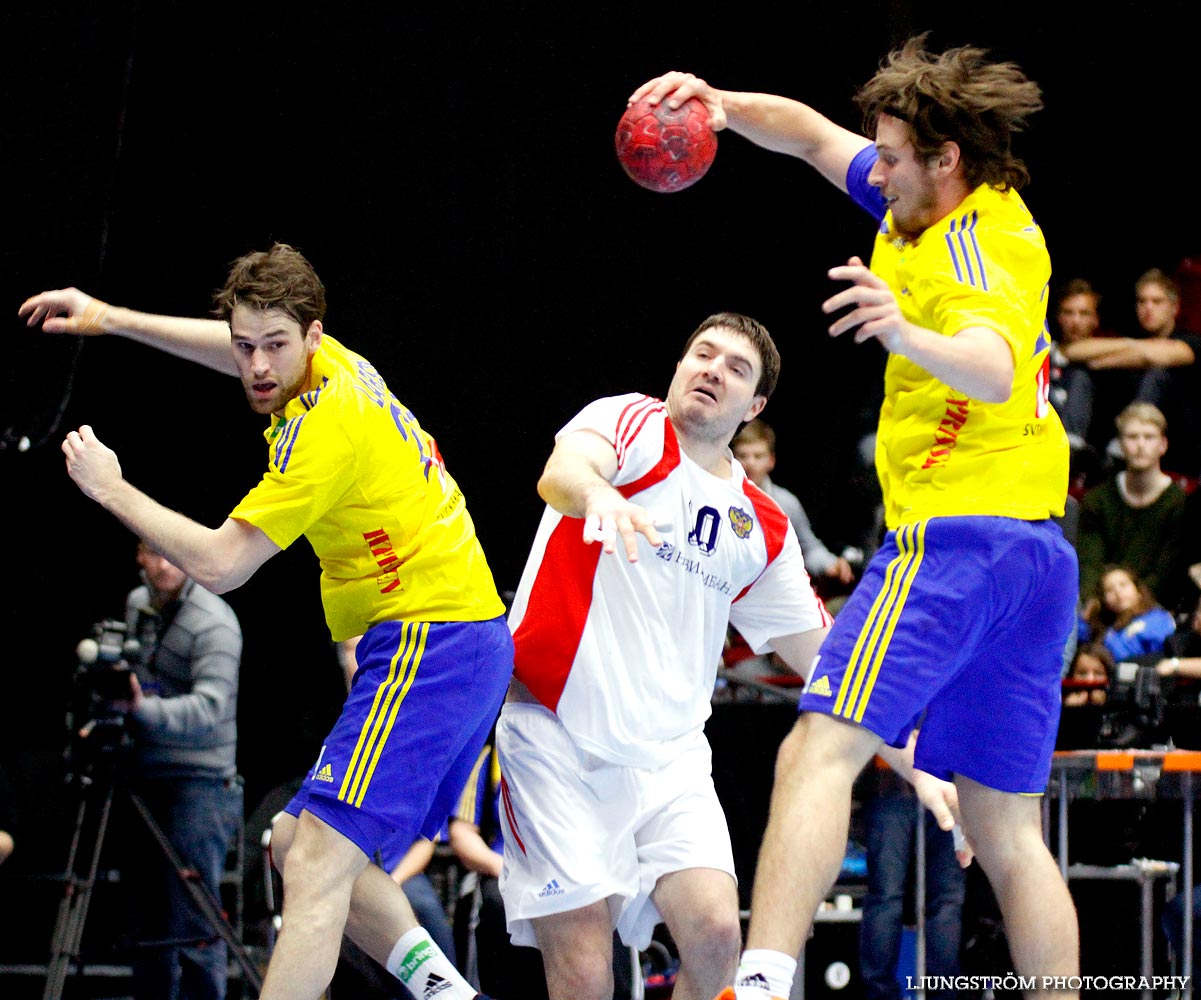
(552, 889)
(325, 774)
(821, 687)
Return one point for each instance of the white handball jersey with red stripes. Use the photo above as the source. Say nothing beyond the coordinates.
(627, 653)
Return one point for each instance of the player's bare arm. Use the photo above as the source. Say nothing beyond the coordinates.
(975, 361)
(775, 123)
(219, 559)
(577, 482)
(68, 310)
(799, 649)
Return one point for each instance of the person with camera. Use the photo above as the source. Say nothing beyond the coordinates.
(182, 716)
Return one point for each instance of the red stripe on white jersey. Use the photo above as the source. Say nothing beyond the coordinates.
(667, 461)
(643, 409)
(546, 641)
(548, 637)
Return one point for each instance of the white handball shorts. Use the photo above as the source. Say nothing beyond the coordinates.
(579, 829)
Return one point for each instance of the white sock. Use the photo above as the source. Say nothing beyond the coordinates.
(421, 965)
(762, 973)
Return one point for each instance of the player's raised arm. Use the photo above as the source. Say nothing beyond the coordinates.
(68, 310)
(577, 482)
(776, 123)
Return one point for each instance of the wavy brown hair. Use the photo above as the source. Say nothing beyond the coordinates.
(958, 96)
(280, 278)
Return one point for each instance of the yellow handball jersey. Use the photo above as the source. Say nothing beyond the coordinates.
(937, 451)
(349, 468)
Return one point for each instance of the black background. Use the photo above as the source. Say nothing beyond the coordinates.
(449, 170)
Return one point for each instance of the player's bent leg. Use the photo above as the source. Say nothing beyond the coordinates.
(379, 915)
(381, 921)
(319, 875)
(577, 951)
(1040, 919)
(806, 835)
(700, 908)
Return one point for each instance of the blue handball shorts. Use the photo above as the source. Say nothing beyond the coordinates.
(421, 705)
(964, 619)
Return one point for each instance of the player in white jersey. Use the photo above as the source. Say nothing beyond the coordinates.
(609, 812)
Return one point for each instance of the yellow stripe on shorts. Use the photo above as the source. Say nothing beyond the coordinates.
(860, 677)
(465, 810)
(388, 698)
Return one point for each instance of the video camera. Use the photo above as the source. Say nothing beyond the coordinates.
(103, 680)
(104, 660)
(1133, 714)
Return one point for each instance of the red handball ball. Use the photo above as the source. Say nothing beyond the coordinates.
(666, 149)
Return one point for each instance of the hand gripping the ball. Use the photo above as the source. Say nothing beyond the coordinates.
(677, 88)
(665, 148)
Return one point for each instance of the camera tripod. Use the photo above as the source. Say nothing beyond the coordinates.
(97, 793)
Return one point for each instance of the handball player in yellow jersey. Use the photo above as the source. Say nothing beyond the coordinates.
(965, 610)
(350, 468)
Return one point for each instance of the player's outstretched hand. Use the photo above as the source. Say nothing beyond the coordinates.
(874, 307)
(676, 88)
(91, 464)
(613, 515)
(942, 799)
(65, 310)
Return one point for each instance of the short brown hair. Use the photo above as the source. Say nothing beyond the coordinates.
(959, 97)
(756, 432)
(756, 333)
(279, 278)
(1078, 286)
(1157, 277)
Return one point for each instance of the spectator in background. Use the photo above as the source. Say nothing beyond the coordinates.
(755, 448)
(1072, 391)
(182, 713)
(1092, 664)
(1134, 519)
(1125, 617)
(1166, 356)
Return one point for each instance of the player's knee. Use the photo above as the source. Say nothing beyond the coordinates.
(320, 862)
(1005, 853)
(583, 974)
(803, 752)
(713, 938)
(793, 749)
(822, 748)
